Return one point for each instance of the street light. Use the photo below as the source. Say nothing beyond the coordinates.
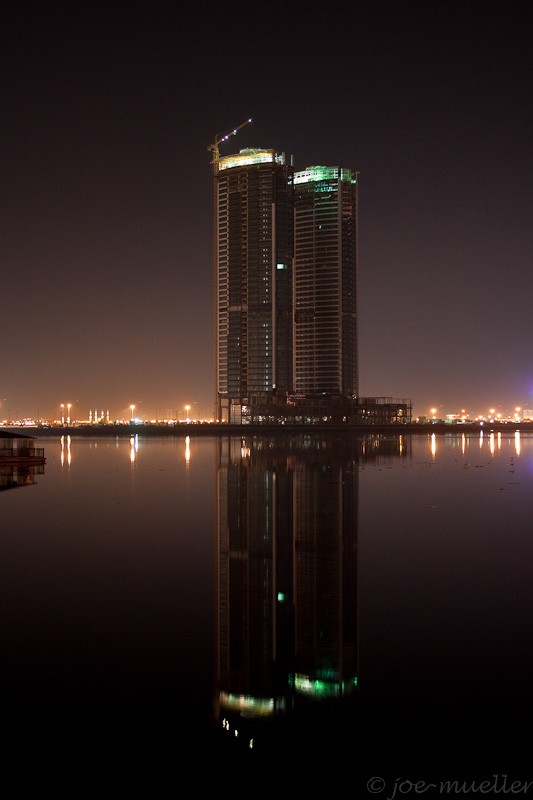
(132, 407)
(68, 415)
(187, 409)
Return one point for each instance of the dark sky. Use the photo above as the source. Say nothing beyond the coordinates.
(106, 190)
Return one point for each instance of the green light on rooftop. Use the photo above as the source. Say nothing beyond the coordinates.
(320, 173)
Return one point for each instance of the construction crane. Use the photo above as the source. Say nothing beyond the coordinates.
(219, 139)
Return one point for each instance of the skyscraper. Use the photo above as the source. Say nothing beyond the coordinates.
(253, 280)
(325, 283)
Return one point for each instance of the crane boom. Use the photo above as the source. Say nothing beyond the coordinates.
(222, 138)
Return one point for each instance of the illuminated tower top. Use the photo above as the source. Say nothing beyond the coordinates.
(314, 174)
(250, 156)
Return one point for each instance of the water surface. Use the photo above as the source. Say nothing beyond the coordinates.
(366, 596)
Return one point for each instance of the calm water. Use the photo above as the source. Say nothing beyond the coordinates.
(367, 598)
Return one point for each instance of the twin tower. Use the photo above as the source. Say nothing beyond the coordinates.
(285, 287)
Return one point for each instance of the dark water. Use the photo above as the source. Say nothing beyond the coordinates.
(362, 605)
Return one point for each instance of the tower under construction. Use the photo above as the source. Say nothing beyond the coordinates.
(253, 281)
(286, 264)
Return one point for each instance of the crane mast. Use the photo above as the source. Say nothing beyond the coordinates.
(214, 147)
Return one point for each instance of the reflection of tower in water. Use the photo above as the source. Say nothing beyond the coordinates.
(325, 575)
(287, 583)
(253, 535)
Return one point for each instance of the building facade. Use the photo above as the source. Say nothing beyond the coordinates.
(286, 323)
(325, 283)
(253, 280)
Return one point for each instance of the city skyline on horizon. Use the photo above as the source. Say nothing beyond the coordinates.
(107, 196)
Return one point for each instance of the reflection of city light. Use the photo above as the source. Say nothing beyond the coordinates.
(187, 449)
(433, 444)
(134, 446)
(491, 443)
(227, 727)
(69, 457)
(463, 443)
(517, 442)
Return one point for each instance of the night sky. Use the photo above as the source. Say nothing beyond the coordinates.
(107, 111)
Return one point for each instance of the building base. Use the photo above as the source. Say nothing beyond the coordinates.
(293, 410)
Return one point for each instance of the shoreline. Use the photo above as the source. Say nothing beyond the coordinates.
(182, 429)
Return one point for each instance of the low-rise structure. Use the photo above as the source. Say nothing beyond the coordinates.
(16, 448)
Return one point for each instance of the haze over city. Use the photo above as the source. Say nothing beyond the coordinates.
(107, 265)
